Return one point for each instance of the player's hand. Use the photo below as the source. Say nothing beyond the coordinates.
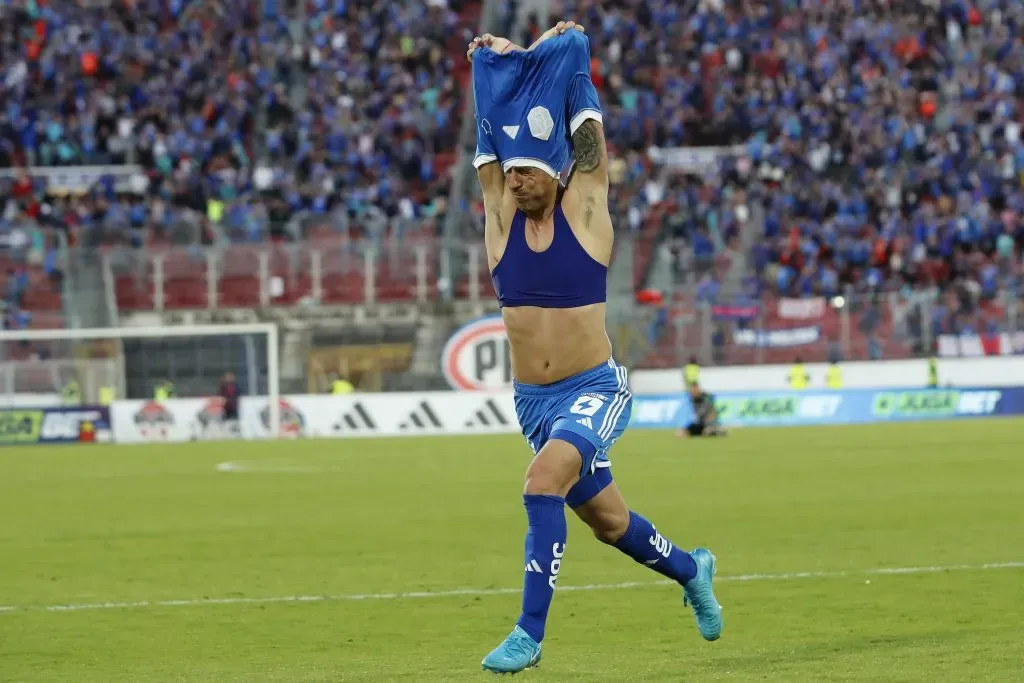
(496, 43)
(557, 30)
(477, 43)
(564, 26)
(560, 28)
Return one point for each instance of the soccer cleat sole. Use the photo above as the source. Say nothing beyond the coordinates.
(509, 673)
(496, 672)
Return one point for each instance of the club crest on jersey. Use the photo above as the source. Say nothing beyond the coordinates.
(540, 122)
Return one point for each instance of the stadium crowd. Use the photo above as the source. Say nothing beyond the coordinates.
(244, 113)
(879, 140)
(882, 139)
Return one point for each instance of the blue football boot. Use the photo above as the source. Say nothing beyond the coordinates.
(698, 594)
(518, 652)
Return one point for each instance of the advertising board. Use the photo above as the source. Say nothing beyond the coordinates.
(71, 424)
(318, 416)
(773, 409)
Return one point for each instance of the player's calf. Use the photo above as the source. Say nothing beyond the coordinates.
(615, 524)
(694, 572)
(643, 543)
(550, 476)
(612, 522)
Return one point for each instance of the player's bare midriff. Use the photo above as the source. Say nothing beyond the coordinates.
(550, 344)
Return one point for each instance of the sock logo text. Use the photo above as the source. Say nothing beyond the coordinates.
(558, 549)
(663, 547)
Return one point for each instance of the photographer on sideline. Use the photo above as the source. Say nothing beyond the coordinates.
(705, 417)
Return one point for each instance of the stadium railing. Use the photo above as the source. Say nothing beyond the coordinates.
(332, 272)
(857, 326)
(42, 377)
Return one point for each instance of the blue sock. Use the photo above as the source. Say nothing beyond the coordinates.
(545, 544)
(645, 545)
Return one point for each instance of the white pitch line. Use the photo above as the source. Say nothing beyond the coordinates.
(240, 466)
(789, 576)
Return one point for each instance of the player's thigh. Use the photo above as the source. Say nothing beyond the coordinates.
(533, 415)
(606, 513)
(554, 470)
(592, 421)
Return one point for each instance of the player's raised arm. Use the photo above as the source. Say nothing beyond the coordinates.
(584, 118)
(588, 184)
(491, 177)
(487, 160)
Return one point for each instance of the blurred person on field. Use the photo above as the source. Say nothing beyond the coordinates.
(705, 416)
(798, 377)
(230, 394)
(341, 386)
(691, 373)
(834, 376)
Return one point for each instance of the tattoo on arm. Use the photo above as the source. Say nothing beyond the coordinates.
(586, 144)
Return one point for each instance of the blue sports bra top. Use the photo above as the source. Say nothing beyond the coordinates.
(562, 276)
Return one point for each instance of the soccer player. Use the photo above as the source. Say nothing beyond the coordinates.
(548, 249)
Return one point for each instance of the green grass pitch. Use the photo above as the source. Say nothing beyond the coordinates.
(800, 520)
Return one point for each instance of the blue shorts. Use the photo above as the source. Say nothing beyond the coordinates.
(589, 410)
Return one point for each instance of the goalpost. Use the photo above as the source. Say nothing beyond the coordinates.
(119, 334)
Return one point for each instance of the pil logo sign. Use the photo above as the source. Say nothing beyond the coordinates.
(476, 357)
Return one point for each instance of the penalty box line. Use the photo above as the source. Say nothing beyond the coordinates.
(786, 576)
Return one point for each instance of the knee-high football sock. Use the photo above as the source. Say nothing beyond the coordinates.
(545, 544)
(645, 545)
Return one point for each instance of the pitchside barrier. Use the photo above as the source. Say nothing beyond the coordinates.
(856, 406)
(319, 416)
(419, 414)
(77, 424)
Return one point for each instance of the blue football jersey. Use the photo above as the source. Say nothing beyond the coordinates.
(528, 104)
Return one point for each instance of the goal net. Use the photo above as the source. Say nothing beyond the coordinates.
(157, 383)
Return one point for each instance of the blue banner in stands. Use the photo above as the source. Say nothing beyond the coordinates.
(831, 407)
(778, 339)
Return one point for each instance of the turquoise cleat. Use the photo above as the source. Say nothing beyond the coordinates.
(698, 594)
(518, 652)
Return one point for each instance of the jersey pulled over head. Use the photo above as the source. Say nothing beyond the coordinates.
(528, 104)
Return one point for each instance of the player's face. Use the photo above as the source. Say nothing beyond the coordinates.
(533, 189)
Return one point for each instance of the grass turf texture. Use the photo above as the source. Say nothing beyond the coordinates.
(91, 524)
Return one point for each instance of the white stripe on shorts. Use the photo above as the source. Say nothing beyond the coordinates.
(615, 401)
(622, 397)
